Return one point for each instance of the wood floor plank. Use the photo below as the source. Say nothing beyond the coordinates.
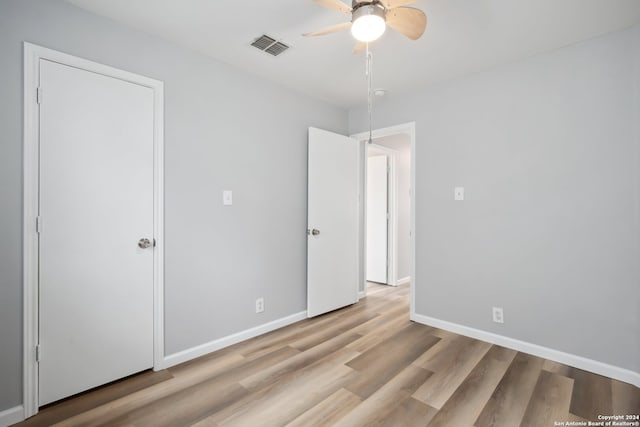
(318, 337)
(550, 400)
(451, 362)
(442, 333)
(509, 401)
(385, 331)
(591, 395)
(285, 403)
(577, 419)
(184, 407)
(204, 398)
(374, 289)
(287, 384)
(224, 370)
(397, 314)
(467, 402)
(451, 348)
(378, 405)
(262, 344)
(381, 363)
(275, 371)
(197, 371)
(133, 401)
(556, 368)
(409, 413)
(329, 411)
(625, 398)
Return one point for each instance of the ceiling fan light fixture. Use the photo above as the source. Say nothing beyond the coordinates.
(368, 23)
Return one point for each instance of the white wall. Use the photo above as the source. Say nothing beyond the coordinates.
(224, 129)
(402, 144)
(548, 150)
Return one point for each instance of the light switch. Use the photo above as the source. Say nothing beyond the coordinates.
(458, 193)
(227, 197)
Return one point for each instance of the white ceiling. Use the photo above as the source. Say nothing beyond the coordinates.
(462, 37)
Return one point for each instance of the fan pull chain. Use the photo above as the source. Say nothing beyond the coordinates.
(369, 71)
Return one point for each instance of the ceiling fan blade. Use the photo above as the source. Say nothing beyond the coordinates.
(335, 4)
(359, 47)
(408, 21)
(329, 30)
(392, 4)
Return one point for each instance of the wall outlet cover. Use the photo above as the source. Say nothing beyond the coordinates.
(458, 193)
(259, 305)
(498, 314)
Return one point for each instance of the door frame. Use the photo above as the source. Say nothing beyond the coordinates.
(363, 137)
(32, 56)
(392, 209)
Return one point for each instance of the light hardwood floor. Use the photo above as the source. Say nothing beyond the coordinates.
(365, 365)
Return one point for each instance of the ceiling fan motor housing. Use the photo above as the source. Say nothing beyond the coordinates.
(358, 3)
(368, 8)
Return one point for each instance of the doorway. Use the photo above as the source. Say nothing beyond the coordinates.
(397, 143)
(93, 221)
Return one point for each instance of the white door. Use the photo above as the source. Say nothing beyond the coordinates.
(332, 243)
(96, 203)
(377, 218)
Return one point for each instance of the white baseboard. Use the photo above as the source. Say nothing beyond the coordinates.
(11, 416)
(201, 350)
(403, 280)
(576, 361)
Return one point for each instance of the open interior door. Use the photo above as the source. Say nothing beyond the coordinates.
(332, 241)
(377, 218)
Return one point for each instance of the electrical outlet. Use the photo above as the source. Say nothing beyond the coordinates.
(259, 305)
(458, 193)
(498, 315)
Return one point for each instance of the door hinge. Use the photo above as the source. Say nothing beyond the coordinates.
(38, 353)
(39, 95)
(38, 225)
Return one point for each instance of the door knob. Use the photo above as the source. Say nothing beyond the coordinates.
(144, 243)
(315, 231)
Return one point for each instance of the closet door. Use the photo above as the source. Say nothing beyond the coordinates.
(96, 230)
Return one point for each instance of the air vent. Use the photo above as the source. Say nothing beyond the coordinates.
(269, 45)
(263, 42)
(277, 48)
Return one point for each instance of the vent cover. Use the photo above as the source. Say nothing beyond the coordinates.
(269, 45)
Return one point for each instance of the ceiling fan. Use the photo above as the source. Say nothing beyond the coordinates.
(369, 19)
